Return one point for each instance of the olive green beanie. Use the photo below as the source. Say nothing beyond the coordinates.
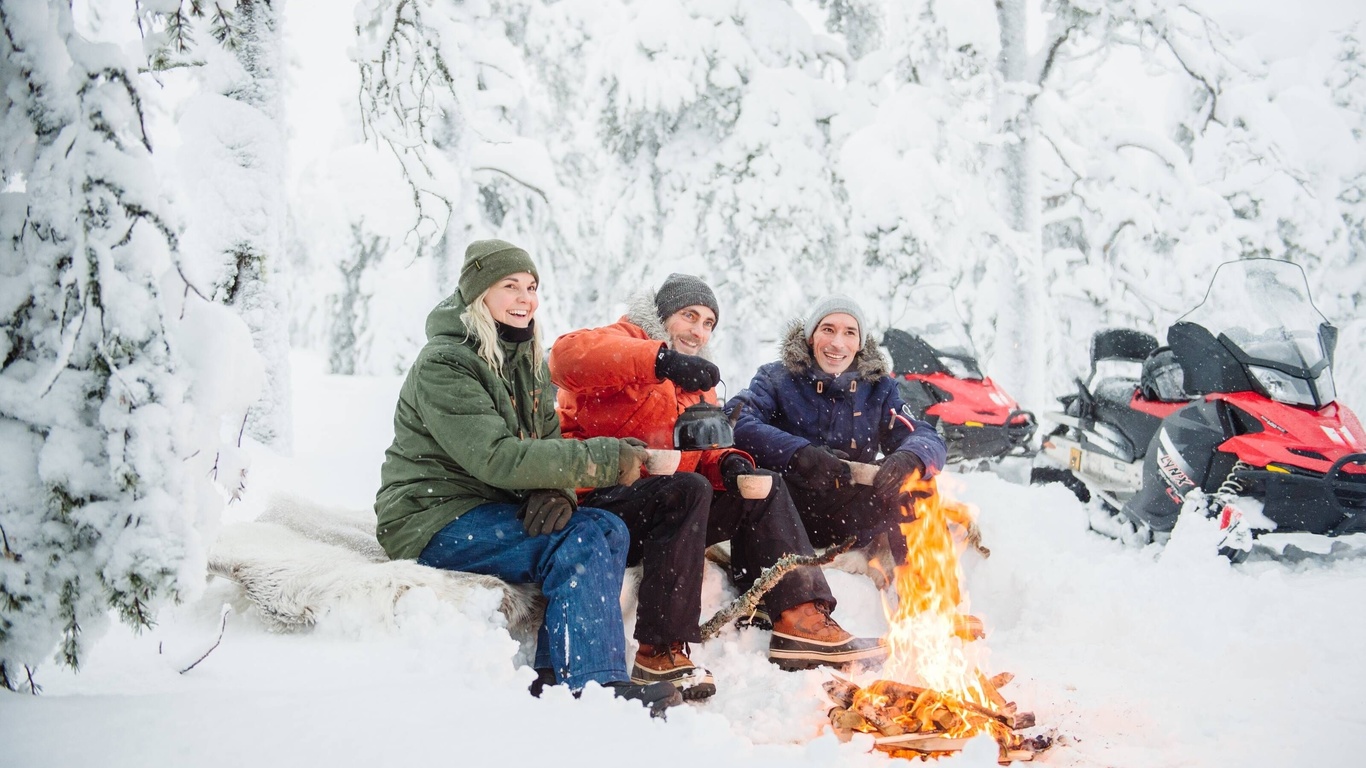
(487, 262)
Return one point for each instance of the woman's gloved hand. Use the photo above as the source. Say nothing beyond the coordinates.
(630, 458)
(545, 512)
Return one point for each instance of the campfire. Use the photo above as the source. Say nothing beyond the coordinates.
(933, 697)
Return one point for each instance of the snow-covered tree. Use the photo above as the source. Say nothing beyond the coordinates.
(919, 169)
(1166, 140)
(696, 138)
(98, 506)
(912, 140)
(232, 167)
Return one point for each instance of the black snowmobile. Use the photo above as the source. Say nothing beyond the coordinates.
(1235, 418)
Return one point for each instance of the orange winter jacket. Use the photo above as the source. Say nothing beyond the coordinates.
(608, 388)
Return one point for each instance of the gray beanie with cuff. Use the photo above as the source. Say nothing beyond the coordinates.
(679, 291)
(829, 306)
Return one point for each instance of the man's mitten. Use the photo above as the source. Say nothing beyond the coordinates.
(733, 466)
(690, 372)
(892, 475)
(817, 468)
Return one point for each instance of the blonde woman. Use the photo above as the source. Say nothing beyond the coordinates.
(478, 478)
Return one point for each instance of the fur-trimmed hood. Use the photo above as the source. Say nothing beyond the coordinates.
(869, 362)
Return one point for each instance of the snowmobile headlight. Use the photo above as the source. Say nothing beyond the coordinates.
(1282, 387)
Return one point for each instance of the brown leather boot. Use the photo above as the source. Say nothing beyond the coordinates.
(806, 636)
(669, 663)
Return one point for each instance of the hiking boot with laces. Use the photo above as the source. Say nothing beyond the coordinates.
(805, 636)
(670, 664)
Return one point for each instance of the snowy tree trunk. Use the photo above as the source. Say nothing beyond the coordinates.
(1021, 321)
(255, 259)
(366, 251)
(96, 495)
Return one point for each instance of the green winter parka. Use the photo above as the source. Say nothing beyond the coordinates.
(465, 435)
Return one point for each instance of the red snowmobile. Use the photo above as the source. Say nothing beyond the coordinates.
(1235, 418)
(936, 369)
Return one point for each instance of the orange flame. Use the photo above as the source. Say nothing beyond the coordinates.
(928, 633)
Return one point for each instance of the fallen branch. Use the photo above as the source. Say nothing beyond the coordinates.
(745, 604)
(223, 626)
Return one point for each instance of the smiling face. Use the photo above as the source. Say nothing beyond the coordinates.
(690, 328)
(513, 300)
(835, 342)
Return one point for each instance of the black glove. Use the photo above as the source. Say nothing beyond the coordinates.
(690, 372)
(889, 479)
(732, 466)
(817, 468)
(545, 512)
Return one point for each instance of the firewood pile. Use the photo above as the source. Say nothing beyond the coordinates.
(913, 722)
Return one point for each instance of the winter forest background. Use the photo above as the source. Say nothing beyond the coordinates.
(191, 189)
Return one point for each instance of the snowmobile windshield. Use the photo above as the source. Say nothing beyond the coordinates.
(932, 314)
(1261, 311)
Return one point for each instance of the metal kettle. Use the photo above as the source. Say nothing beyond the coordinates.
(702, 426)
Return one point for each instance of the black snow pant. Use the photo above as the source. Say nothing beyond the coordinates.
(832, 516)
(674, 518)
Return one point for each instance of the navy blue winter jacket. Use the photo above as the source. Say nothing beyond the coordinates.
(792, 403)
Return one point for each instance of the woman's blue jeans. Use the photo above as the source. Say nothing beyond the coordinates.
(579, 569)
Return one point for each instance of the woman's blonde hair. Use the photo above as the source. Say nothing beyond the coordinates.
(480, 324)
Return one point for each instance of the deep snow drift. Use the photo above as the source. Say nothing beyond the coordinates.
(1133, 658)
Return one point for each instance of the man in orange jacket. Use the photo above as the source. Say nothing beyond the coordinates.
(632, 379)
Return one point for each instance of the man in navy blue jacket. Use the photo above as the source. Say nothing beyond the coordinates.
(831, 398)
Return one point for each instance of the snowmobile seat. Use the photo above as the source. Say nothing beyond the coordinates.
(1120, 344)
(1162, 379)
(1118, 390)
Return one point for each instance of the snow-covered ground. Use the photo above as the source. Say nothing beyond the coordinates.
(1132, 658)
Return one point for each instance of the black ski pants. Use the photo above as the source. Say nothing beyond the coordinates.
(674, 518)
(831, 516)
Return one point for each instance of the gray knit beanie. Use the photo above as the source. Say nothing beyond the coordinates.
(487, 262)
(679, 291)
(829, 306)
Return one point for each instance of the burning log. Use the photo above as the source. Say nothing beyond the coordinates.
(918, 745)
(1017, 721)
(989, 687)
(911, 721)
(841, 691)
(879, 718)
(846, 722)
